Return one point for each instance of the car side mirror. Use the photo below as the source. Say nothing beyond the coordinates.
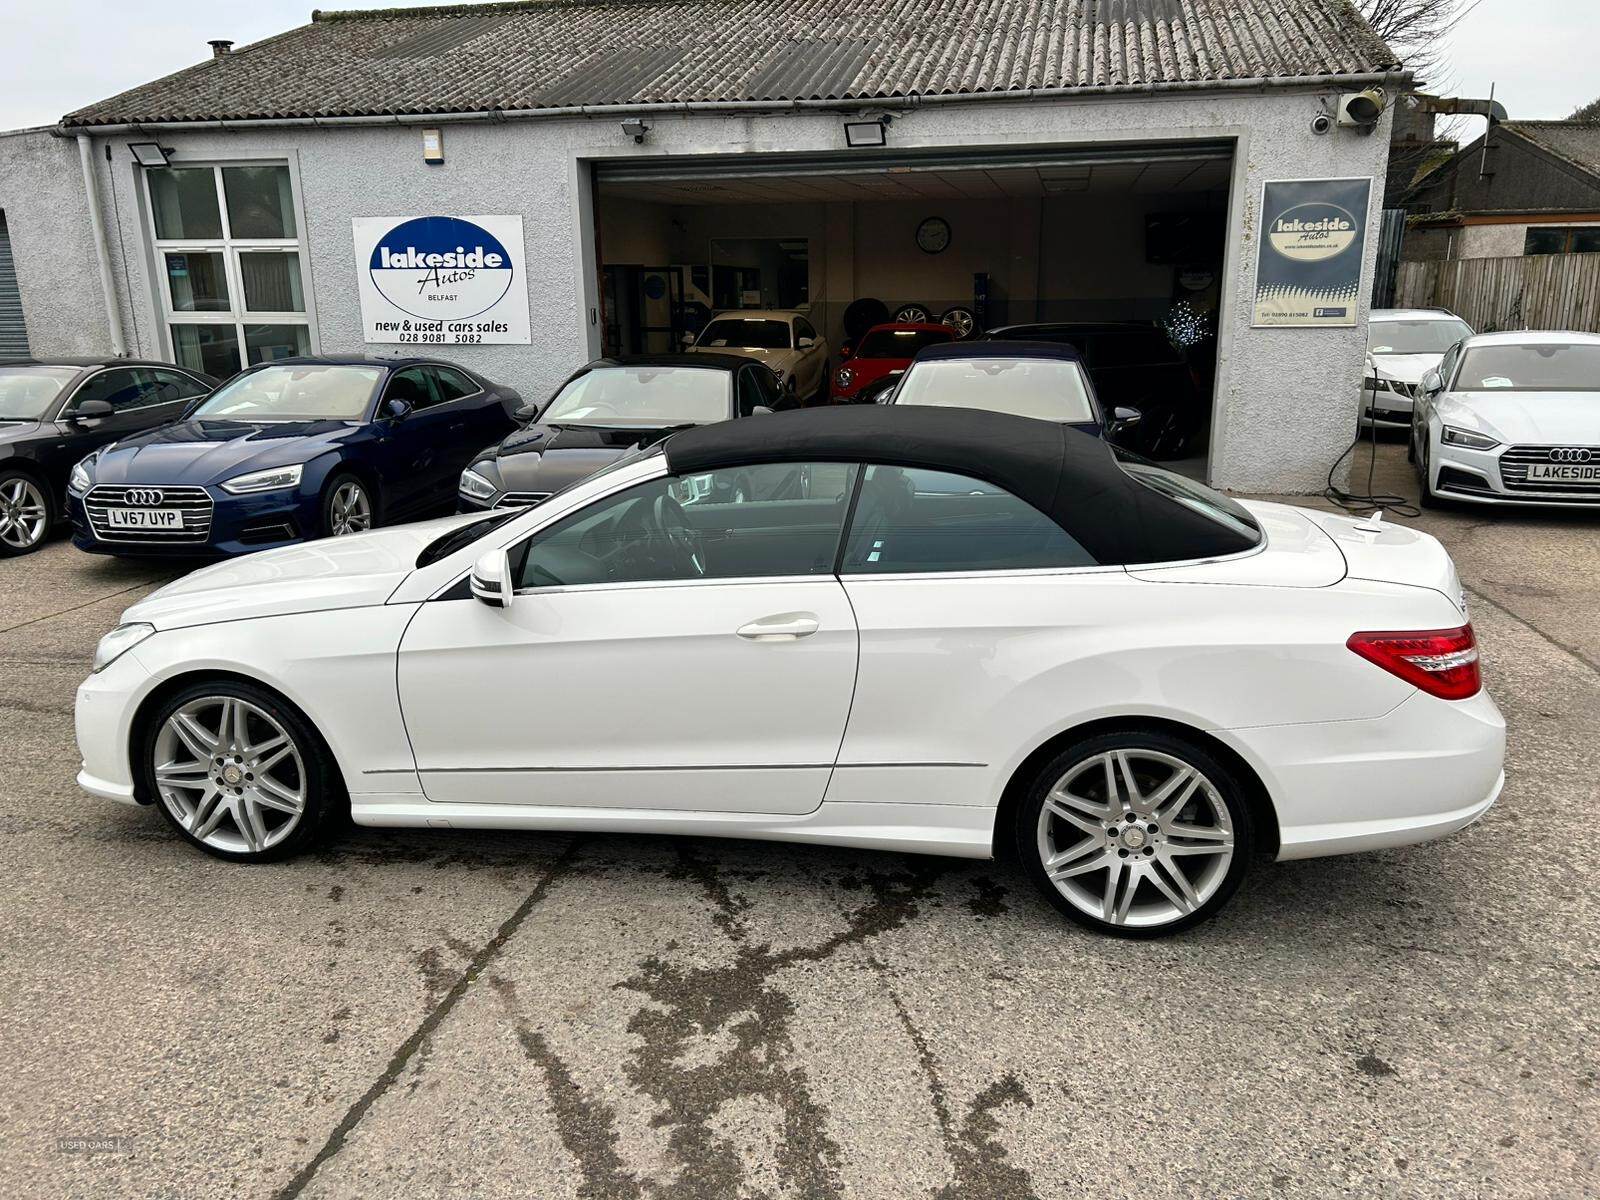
(805, 343)
(760, 410)
(526, 413)
(491, 579)
(1431, 380)
(397, 410)
(1123, 417)
(91, 410)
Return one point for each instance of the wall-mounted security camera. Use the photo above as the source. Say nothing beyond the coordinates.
(1321, 124)
(1361, 110)
(636, 128)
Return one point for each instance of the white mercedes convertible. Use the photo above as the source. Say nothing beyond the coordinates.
(917, 629)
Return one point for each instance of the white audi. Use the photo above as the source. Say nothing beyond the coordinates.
(929, 630)
(1511, 418)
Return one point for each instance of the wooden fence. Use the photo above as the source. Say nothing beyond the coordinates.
(1539, 291)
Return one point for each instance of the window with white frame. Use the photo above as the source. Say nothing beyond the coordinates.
(227, 249)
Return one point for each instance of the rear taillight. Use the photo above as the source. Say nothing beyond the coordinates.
(1442, 662)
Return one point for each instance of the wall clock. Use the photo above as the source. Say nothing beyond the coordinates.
(933, 235)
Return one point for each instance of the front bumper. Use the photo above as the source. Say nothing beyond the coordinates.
(239, 525)
(1422, 771)
(103, 720)
(1476, 477)
(1385, 408)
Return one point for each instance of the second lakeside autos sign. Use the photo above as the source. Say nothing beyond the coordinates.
(1308, 267)
(442, 281)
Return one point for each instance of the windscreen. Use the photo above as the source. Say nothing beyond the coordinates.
(644, 398)
(1543, 367)
(1415, 337)
(1043, 388)
(745, 333)
(307, 392)
(899, 343)
(26, 393)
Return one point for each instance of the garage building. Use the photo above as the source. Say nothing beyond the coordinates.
(1003, 162)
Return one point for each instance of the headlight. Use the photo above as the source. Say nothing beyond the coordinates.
(1465, 437)
(1374, 384)
(82, 477)
(272, 480)
(845, 377)
(475, 485)
(118, 642)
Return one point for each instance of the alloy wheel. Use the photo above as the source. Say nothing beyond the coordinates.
(1135, 838)
(23, 514)
(349, 510)
(230, 774)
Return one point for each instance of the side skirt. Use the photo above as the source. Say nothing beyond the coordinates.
(959, 831)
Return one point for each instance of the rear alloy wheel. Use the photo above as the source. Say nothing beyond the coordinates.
(238, 772)
(913, 314)
(1138, 834)
(347, 508)
(24, 514)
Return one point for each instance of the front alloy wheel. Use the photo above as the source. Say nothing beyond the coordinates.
(238, 772)
(349, 508)
(24, 515)
(1137, 834)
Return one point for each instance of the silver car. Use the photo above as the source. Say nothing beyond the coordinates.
(1511, 418)
(1403, 344)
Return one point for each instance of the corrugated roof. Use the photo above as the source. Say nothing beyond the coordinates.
(610, 52)
(1576, 141)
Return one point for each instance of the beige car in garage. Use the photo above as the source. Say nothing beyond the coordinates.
(783, 339)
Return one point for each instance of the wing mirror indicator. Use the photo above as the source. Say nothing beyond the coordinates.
(491, 579)
(1124, 417)
(91, 410)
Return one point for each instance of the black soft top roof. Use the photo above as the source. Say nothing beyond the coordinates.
(1072, 477)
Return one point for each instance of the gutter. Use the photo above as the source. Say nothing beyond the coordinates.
(1389, 79)
(102, 253)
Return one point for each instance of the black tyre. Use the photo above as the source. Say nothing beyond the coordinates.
(861, 315)
(26, 520)
(1425, 494)
(239, 772)
(348, 506)
(1136, 833)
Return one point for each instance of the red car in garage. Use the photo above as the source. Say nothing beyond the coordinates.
(881, 357)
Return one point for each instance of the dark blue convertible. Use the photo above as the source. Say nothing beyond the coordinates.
(289, 450)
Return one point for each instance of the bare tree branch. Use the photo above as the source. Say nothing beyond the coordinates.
(1416, 29)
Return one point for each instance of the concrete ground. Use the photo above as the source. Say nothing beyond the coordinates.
(454, 1014)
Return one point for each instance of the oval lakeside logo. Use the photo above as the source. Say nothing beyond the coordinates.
(1313, 232)
(441, 268)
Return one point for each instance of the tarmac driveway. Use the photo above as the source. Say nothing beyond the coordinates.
(432, 1014)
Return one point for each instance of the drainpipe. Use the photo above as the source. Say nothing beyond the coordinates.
(102, 254)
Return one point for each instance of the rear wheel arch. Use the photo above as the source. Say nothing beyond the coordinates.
(1263, 812)
(144, 715)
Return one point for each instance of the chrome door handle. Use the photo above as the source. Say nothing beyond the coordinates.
(781, 627)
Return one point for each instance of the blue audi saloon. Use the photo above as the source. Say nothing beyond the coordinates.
(287, 451)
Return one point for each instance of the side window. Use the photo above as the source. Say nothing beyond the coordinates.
(453, 384)
(917, 521)
(803, 329)
(174, 386)
(122, 388)
(751, 395)
(737, 523)
(1447, 364)
(412, 386)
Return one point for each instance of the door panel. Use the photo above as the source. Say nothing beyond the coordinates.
(638, 697)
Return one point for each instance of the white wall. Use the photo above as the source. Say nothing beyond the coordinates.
(1285, 396)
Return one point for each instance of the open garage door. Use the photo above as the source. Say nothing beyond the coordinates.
(1119, 248)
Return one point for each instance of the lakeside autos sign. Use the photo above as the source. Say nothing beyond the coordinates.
(1308, 266)
(442, 281)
